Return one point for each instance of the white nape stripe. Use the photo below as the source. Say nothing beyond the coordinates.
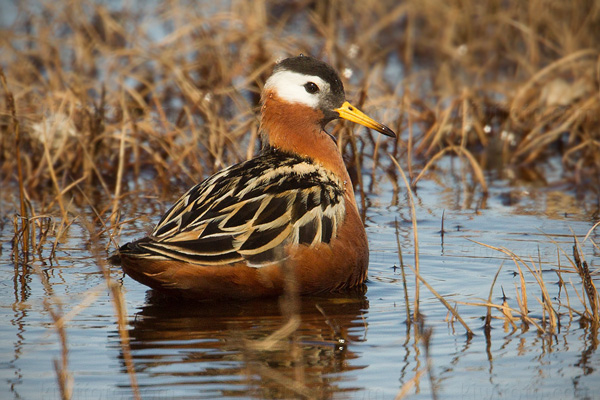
(289, 86)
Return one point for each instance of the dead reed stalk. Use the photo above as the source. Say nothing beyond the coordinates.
(406, 301)
(418, 277)
(488, 315)
(588, 285)
(477, 171)
(118, 302)
(10, 100)
(54, 307)
(413, 214)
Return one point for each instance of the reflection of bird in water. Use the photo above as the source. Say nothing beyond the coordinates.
(293, 205)
(215, 350)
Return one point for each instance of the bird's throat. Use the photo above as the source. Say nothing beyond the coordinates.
(296, 129)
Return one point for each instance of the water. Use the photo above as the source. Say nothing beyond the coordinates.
(188, 350)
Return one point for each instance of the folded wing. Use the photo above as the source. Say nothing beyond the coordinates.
(250, 212)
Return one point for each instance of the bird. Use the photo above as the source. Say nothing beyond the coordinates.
(289, 213)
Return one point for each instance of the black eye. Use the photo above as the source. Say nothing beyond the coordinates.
(311, 87)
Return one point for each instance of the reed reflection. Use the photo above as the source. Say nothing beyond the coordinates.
(227, 349)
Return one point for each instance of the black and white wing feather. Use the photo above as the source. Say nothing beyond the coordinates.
(249, 212)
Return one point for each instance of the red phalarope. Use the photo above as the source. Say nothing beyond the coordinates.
(293, 205)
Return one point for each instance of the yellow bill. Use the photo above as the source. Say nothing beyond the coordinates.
(351, 113)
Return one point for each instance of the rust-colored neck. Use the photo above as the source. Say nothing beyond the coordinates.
(296, 128)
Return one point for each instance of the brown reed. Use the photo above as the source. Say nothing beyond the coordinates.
(183, 106)
(550, 319)
(415, 269)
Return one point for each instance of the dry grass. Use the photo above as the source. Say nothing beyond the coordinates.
(110, 104)
(550, 319)
(99, 102)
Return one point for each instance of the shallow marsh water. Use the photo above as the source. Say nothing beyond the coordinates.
(354, 345)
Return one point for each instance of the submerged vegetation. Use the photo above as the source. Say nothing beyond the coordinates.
(102, 105)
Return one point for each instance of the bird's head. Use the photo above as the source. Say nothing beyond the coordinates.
(309, 86)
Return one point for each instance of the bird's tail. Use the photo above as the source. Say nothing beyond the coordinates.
(131, 248)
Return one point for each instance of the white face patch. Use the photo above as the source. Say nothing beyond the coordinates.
(289, 86)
